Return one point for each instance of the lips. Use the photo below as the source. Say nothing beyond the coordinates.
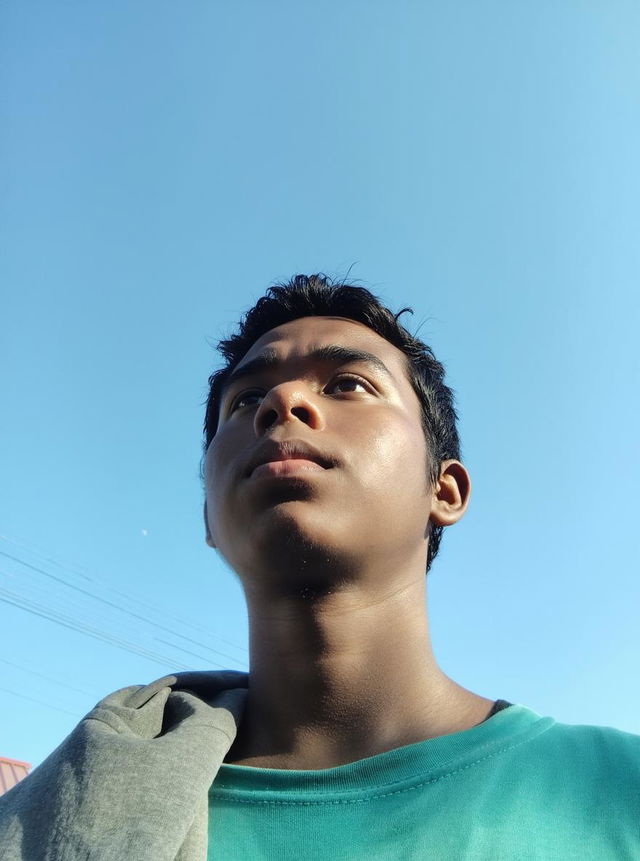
(298, 451)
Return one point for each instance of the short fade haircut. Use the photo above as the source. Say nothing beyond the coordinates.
(321, 296)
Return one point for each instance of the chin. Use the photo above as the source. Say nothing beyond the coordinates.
(296, 554)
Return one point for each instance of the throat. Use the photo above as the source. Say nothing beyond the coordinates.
(328, 731)
(345, 678)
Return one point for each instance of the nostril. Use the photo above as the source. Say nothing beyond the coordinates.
(302, 413)
(269, 418)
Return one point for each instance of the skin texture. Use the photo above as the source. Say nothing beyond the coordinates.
(332, 560)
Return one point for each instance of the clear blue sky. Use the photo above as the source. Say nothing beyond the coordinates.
(162, 164)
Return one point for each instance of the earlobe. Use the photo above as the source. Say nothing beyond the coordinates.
(451, 494)
(207, 531)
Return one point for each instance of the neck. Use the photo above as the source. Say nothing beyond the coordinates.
(344, 676)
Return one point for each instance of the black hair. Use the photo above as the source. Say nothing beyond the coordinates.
(320, 296)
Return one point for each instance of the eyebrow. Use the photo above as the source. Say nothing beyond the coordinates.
(337, 355)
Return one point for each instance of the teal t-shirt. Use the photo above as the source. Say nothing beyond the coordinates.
(518, 786)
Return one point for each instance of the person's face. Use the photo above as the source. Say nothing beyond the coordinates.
(355, 411)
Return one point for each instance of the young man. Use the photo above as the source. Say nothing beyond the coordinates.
(331, 468)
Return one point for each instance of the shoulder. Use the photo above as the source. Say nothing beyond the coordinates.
(602, 745)
(545, 750)
(141, 709)
(600, 738)
(589, 759)
(180, 724)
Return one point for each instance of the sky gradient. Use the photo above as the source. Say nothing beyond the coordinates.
(161, 164)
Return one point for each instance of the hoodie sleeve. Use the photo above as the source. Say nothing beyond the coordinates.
(131, 780)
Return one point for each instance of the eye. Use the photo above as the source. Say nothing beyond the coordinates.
(246, 399)
(344, 384)
(348, 383)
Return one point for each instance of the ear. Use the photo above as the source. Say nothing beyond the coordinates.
(451, 494)
(207, 531)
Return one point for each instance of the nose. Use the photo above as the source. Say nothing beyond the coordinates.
(288, 402)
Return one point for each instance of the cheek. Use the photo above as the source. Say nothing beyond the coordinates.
(216, 467)
(395, 456)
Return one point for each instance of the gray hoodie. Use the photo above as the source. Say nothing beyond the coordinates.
(132, 779)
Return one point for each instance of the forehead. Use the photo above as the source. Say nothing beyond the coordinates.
(301, 337)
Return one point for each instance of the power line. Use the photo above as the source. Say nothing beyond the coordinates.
(80, 573)
(188, 652)
(62, 608)
(40, 702)
(108, 603)
(49, 678)
(66, 621)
